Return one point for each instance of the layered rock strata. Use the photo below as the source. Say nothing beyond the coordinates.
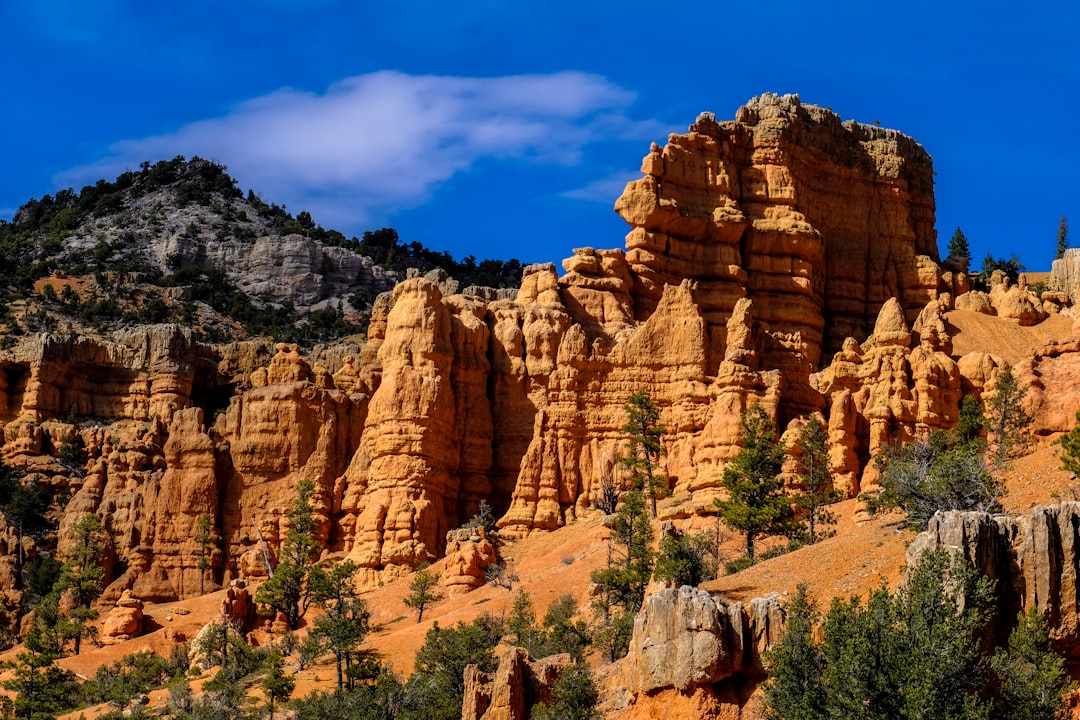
(758, 247)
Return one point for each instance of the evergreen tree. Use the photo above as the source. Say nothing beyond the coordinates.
(23, 503)
(564, 634)
(756, 504)
(81, 578)
(1062, 239)
(971, 423)
(817, 477)
(622, 583)
(645, 450)
(276, 685)
(573, 697)
(437, 688)
(345, 620)
(632, 556)
(1007, 416)
(685, 559)
(521, 626)
(959, 248)
(43, 690)
(286, 590)
(912, 654)
(422, 592)
(1031, 675)
(1070, 449)
(795, 690)
(207, 539)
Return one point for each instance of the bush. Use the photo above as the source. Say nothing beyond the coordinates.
(926, 476)
(738, 564)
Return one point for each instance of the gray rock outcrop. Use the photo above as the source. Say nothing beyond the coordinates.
(1033, 559)
(685, 638)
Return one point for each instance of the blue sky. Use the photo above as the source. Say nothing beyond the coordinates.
(507, 129)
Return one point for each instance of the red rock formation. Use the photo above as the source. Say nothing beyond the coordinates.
(738, 273)
(820, 220)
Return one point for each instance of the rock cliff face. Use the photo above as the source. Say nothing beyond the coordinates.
(783, 258)
(685, 638)
(819, 221)
(1033, 559)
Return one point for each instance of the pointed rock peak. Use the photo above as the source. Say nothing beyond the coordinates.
(891, 328)
(743, 335)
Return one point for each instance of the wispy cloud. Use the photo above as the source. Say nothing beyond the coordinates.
(386, 140)
(602, 190)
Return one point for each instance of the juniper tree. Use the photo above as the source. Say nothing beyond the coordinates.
(756, 503)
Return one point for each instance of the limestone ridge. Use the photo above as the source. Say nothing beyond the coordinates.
(729, 293)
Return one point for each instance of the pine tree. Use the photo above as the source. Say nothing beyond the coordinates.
(286, 590)
(756, 504)
(81, 578)
(817, 477)
(422, 591)
(645, 450)
(959, 248)
(1007, 416)
(1062, 239)
(345, 621)
(207, 539)
(621, 585)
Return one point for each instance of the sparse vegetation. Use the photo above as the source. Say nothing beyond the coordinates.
(934, 474)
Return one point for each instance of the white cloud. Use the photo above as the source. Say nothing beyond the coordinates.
(602, 190)
(385, 140)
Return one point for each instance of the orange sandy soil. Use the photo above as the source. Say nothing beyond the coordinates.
(972, 331)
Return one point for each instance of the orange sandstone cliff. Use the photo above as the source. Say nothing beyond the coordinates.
(784, 258)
